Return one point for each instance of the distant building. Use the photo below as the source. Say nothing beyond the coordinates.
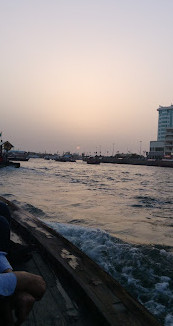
(165, 121)
(164, 144)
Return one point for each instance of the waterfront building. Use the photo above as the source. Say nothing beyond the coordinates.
(168, 145)
(163, 146)
(165, 121)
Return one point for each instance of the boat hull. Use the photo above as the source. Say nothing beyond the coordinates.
(108, 301)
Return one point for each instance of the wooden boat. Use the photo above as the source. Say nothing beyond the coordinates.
(18, 156)
(167, 163)
(78, 292)
(93, 160)
(64, 159)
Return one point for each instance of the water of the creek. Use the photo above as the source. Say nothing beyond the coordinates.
(119, 215)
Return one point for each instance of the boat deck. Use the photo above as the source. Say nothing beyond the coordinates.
(58, 306)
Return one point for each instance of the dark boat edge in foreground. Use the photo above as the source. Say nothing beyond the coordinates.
(9, 163)
(108, 301)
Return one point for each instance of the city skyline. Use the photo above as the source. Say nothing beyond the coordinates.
(79, 76)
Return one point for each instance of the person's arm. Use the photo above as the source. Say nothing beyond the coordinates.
(20, 281)
(30, 283)
(8, 279)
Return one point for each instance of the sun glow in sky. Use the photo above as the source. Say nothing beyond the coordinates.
(84, 74)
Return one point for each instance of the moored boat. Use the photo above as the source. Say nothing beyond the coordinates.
(167, 163)
(93, 160)
(18, 156)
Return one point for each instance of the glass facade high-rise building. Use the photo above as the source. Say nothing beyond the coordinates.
(165, 121)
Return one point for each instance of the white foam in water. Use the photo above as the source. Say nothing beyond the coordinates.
(161, 287)
(169, 320)
(135, 268)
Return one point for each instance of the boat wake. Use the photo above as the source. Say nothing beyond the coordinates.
(145, 271)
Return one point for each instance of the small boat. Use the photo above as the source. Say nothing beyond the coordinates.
(18, 156)
(47, 157)
(161, 163)
(166, 163)
(67, 157)
(64, 159)
(93, 160)
(79, 292)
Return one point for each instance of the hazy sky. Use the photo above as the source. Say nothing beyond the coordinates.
(88, 73)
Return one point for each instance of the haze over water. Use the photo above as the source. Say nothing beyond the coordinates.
(84, 74)
(120, 215)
